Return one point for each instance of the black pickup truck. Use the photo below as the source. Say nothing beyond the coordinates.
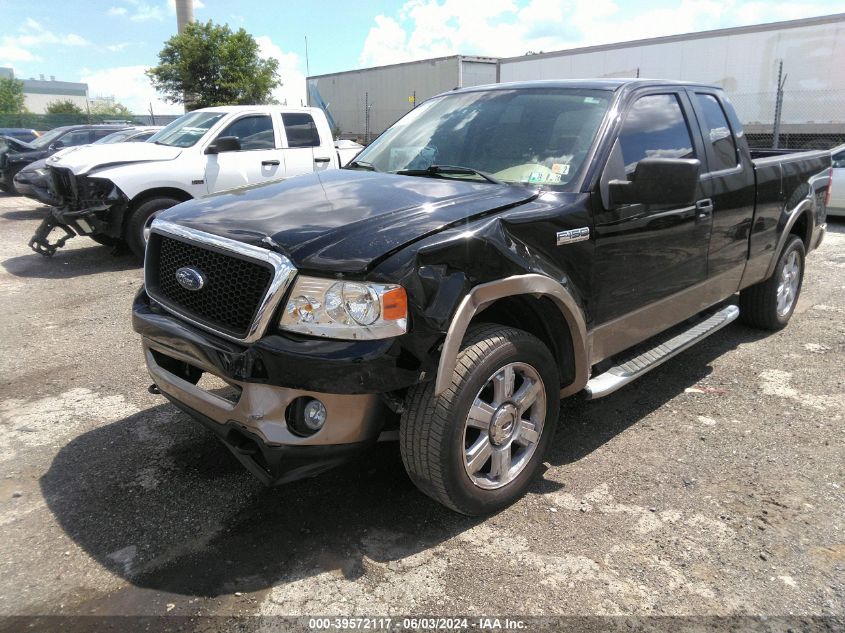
(497, 249)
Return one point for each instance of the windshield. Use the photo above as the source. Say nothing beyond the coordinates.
(115, 137)
(537, 136)
(48, 137)
(186, 130)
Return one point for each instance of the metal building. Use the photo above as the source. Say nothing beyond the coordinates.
(366, 102)
(746, 61)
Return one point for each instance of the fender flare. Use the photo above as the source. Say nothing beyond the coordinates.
(804, 207)
(482, 295)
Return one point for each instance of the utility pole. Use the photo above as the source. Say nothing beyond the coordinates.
(307, 65)
(778, 107)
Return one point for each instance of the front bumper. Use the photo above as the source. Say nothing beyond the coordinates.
(252, 423)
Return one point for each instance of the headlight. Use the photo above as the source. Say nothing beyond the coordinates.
(346, 309)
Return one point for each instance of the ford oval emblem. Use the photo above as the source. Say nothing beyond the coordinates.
(190, 278)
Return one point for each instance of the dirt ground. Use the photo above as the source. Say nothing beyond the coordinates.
(713, 486)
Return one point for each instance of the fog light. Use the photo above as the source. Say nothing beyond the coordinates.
(314, 415)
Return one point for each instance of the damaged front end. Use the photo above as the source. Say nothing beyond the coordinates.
(87, 206)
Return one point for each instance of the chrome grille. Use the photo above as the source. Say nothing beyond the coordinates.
(243, 283)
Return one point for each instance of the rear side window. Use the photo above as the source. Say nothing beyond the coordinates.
(655, 127)
(301, 130)
(98, 134)
(77, 137)
(717, 132)
(254, 132)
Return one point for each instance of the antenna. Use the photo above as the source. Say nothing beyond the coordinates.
(307, 65)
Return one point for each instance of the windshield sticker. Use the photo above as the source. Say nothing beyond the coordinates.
(560, 168)
(553, 178)
(591, 100)
(537, 176)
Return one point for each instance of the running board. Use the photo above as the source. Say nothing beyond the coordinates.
(632, 368)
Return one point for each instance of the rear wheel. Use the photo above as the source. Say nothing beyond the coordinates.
(769, 304)
(476, 447)
(138, 226)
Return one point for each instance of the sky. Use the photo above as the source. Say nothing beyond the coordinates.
(109, 43)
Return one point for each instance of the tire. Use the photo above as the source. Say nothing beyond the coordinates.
(10, 182)
(106, 240)
(137, 224)
(768, 305)
(436, 433)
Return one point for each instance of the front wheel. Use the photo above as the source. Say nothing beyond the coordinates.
(138, 226)
(769, 304)
(476, 447)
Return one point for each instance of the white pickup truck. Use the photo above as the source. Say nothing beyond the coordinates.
(112, 193)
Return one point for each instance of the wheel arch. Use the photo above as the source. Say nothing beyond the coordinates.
(159, 192)
(799, 222)
(543, 297)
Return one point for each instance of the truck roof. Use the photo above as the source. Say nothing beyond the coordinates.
(247, 108)
(586, 84)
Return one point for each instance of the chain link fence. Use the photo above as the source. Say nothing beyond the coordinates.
(806, 119)
(45, 122)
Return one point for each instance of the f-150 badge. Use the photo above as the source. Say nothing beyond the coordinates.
(573, 235)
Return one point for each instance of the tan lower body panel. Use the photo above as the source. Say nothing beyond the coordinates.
(260, 408)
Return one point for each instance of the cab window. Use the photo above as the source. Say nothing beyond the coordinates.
(301, 130)
(717, 132)
(655, 127)
(254, 132)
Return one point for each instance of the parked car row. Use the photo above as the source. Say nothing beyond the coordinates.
(34, 181)
(16, 154)
(113, 192)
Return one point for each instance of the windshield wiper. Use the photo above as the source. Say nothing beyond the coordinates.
(437, 170)
(360, 164)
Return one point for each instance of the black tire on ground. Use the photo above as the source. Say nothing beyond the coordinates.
(432, 429)
(10, 182)
(758, 304)
(106, 240)
(138, 221)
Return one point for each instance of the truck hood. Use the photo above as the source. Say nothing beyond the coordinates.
(89, 158)
(344, 220)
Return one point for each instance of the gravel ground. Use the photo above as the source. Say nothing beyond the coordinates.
(714, 486)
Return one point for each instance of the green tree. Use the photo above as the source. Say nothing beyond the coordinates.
(209, 64)
(115, 110)
(11, 96)
(65, 106)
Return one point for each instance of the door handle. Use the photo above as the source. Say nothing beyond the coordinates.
(270, 162)
(322, 160)
(703, 208)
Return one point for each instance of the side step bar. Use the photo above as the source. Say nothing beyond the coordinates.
(632, 368)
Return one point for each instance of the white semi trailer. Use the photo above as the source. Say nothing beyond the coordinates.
(746, 62)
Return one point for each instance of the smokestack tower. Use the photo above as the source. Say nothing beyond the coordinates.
(184, 14)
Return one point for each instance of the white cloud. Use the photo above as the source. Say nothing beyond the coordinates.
(116, 11)
(32, 34)
(116, 48)
(144, 12)
(292, 89)
(433, 28)
(129, 86)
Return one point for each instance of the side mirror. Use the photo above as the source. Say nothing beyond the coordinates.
(659, 181)
(224, 144)
(57, 144)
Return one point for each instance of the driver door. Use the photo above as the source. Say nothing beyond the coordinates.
(259, 159)
(647, 253)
